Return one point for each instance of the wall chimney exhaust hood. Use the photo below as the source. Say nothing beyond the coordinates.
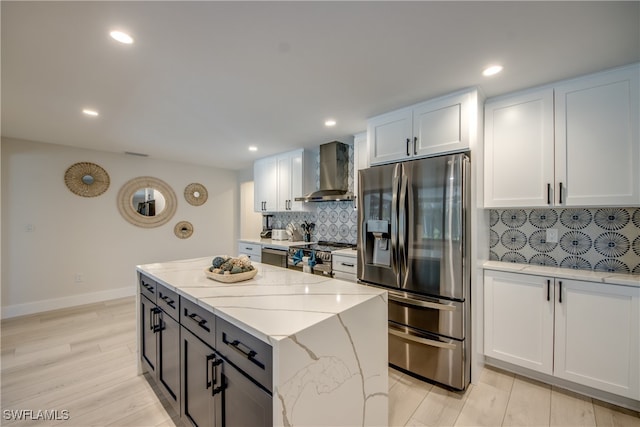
(334, 175)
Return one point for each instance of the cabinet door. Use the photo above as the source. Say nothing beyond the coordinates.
(243, 403)
(390, 136)
(597, 336)
(519, 150)
(148, 341)
(441, 126)
(169, 358)
(284, 182)
(290, 181)
(198, 408)
(265, 179)
(518, 319)
(597, 140)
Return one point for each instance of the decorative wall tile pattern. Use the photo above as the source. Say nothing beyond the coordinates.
(335, 221)
(605, 239)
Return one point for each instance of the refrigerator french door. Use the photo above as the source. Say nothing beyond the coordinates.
(413, 241)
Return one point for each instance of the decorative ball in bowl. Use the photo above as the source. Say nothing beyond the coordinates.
(230, 270)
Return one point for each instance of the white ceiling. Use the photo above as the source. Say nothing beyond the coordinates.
(204, 80)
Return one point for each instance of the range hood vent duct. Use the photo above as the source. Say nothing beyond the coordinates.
(334, 174)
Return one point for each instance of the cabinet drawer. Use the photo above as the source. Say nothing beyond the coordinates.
(249, 248)
(345, 264)
(167, 300)
(344, 276)
(198, 320)
(147, 287)
(245, 351)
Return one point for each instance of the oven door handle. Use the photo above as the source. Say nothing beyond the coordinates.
(420, 303)
(419, 340)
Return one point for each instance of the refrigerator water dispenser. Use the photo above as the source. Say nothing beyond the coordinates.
(378, 234)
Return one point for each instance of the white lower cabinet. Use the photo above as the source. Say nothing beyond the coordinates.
(584, 332)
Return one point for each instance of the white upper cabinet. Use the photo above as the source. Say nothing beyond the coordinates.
(280, 179)
(597, 140)
(291, 177)
(265, 178)
(390, 136)
(573, 144)
(519, 150)
(441, 126)
(433, 127)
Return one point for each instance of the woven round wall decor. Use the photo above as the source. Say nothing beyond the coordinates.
(183, 229)
(196, 194)
(86, 179)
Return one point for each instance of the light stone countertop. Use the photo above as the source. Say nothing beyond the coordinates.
(565, 273)
(346, 252)
(275, 304)
(282, 244)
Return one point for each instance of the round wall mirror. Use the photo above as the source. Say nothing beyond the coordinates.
(183, 229)
(196, 194)
(147, 202)
(86, 179)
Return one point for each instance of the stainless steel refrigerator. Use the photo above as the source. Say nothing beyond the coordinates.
(413, 240)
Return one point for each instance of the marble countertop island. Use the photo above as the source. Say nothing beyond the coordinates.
(329, 337)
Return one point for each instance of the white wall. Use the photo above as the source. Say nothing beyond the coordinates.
(250, 221)
(72, 234)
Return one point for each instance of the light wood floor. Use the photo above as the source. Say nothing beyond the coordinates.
(83, 360)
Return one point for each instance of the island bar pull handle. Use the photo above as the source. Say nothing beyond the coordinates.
(168, 300)
(415, 145)
(548, 193)
(548, 289)
(408, 152)
(560, 292)
(148, 287)
(156, 320)
(235, 344)
(199, 320)
(210, 357)
(560, 193)
(348, 264)
(214, 375)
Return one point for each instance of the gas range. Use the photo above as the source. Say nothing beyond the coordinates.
(319, 254)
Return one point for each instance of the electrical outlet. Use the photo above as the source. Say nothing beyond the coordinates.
(552, 235)
(79, 278)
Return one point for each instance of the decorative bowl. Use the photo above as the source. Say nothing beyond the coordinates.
(231, 278)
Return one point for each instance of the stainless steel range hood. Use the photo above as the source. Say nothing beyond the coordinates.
(334, 174)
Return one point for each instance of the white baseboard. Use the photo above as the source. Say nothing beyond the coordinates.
(65, 302)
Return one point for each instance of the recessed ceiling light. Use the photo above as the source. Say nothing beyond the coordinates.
(89, 112)
(491, 70)
(121, 37)
(253, 148)
(330, 123)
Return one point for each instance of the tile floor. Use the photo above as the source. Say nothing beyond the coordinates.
(83, 360)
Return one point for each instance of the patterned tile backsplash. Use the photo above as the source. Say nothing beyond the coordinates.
(335, 221)
(605, 239)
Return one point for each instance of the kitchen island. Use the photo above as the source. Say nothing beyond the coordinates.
(327, 337)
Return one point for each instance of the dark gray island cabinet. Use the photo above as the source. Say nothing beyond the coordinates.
(285, 348)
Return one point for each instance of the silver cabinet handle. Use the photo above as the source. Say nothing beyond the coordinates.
(348, 264)
(426, 341)
(418, 303)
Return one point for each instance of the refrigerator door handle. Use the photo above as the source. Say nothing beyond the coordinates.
(402, 230)
(425, 341)
(397, 170)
